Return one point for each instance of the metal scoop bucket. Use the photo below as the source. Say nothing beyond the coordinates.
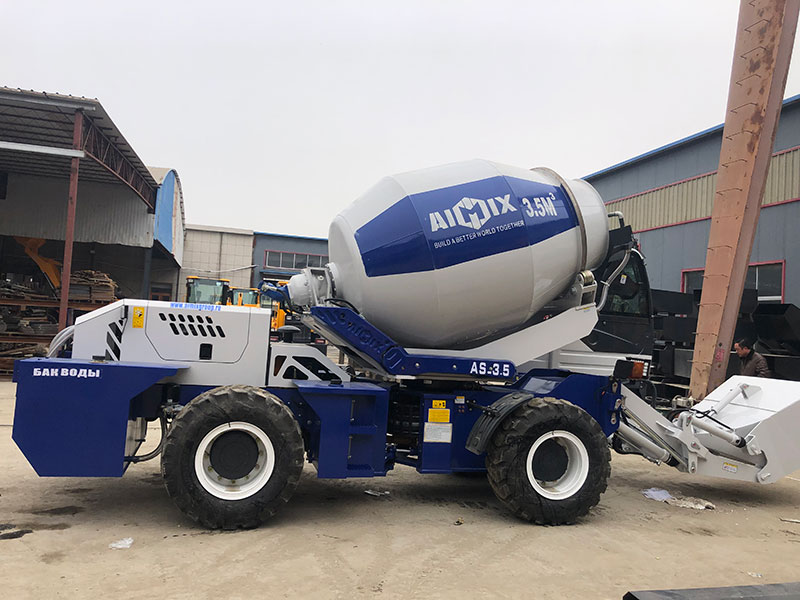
(753, 421)
(746, 429)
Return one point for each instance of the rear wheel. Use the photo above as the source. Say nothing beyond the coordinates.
(549, 461)
(233, 457)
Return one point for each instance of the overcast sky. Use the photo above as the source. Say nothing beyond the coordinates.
(277, 114)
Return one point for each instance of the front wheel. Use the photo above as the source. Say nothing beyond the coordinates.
(549, 461)
(233, 457)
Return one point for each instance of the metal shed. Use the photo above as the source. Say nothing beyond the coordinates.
(68, 176)
(667, 196)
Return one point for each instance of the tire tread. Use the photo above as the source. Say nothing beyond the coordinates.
(225, 404)
(505, 459)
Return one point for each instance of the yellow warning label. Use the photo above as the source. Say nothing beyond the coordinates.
(439, 415)
(138, 317)
(439, 403)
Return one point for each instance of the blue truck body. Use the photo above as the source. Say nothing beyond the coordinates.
(81, 430)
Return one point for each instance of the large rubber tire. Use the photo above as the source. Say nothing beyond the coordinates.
(274, 455)
(580, 450)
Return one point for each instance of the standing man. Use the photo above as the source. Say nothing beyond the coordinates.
(753, 364)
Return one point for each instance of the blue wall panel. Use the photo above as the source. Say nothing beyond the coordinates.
(669, 250)
(282, 243)
(165, 201)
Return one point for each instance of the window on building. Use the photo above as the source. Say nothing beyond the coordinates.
(273, 259)
(293, 260)
(287, 260)
(692, 280)
(767, 279)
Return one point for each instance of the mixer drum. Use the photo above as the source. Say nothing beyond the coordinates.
(446, 256)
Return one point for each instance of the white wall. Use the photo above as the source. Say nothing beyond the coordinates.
(217, 253)
(105, 213)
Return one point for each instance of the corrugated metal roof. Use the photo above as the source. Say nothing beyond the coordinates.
(46, 119)
(672, 145)
(295, 237)
(177, 227)
(159, 173)
(215, 229)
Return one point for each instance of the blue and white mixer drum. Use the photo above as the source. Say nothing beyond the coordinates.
(445, 256)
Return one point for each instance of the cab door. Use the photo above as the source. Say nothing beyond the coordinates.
(625, 324)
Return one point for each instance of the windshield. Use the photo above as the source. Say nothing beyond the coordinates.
(205, 292)
(248, 297)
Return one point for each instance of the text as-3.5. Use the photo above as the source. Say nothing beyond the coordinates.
(495, 369)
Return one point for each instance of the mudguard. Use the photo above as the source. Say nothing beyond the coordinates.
(491, 419)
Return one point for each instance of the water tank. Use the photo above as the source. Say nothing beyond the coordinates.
(442, 257)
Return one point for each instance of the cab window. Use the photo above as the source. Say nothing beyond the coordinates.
(629, 293)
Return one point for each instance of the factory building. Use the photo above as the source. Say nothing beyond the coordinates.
(278, 256)
(245, 258)
(217, 253)
(169, 232)
(667, 196)
(76, 199)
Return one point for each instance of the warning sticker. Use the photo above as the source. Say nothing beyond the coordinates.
(730, 467)
(439, 415)
(439, 403)
(438, 433)
(138, 317)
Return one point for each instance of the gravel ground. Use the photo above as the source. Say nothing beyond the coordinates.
(335, 541)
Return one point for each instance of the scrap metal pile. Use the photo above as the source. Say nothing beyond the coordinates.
(22, 319)
(92, 286)
(23, 326)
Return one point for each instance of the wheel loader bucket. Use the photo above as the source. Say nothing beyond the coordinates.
(765, 415)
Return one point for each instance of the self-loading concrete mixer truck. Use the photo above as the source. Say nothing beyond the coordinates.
(446, 287)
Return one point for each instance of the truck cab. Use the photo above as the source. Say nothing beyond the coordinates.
(625, 323)
(245, 297)
(205, 290)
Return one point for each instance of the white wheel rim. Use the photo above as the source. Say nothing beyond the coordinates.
(234, 489)
(575, 474)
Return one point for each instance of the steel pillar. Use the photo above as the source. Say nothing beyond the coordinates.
(148, 265)
(764, 39)
(69, 236)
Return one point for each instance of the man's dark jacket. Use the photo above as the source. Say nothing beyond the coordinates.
(754, 365)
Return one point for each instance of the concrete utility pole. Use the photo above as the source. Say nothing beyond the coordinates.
(763, 50)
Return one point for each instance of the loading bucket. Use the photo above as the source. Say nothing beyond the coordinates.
(766, 414)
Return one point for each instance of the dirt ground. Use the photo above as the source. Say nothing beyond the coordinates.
(335, 541)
